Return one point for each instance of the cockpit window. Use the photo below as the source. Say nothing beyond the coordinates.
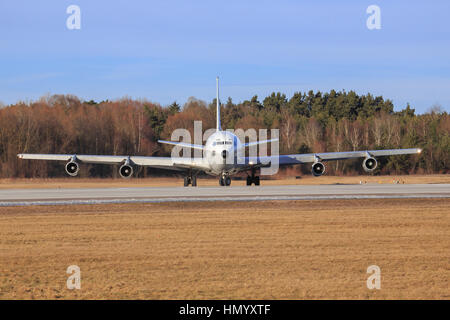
(222, 143)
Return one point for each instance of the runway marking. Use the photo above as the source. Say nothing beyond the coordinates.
(209, 199)
(29, 197)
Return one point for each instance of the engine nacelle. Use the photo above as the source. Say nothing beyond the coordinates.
(318, 169)
(369, 164)
(126, 171)
(72, 168)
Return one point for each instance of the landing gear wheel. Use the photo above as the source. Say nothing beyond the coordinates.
(253, 179)
(190, 181)
(225, 181)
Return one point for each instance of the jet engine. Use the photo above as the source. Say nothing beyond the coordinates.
(369, 164)
(126, 171)
(318, 169)
(72, 168)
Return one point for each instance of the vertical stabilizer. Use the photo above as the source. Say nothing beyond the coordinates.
(218, 126)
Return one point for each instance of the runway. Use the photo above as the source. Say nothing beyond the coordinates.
(24, 197)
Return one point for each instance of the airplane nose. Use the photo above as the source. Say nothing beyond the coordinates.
(224, 154)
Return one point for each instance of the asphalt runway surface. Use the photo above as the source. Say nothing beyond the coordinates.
(22, 197)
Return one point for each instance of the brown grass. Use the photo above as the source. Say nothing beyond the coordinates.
(176, 181)
(231, 250)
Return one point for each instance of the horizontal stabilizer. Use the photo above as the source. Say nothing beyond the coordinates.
(183, 144)
(258, 142)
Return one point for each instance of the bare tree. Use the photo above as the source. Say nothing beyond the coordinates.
(288, 131)
(377, 130)
(312, 133)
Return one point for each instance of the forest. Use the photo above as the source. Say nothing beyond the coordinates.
(308, 122)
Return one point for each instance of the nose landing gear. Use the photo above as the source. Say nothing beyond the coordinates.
(225, 180)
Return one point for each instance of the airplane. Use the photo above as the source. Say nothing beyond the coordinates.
(217, 151)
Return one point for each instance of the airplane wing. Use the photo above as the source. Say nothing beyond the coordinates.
(330, 156)
(179, 163)
(291, 159)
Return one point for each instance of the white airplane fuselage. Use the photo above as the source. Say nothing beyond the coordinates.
(221, 153)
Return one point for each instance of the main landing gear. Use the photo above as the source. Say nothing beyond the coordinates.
(253, 179)
(225, 181)
(190, 180)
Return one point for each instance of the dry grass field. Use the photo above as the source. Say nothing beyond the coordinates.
(174, 181)
(232, 250)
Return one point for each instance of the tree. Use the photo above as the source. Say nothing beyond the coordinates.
(156, 118)
(288, 132)
(275, 102)
(174, 108)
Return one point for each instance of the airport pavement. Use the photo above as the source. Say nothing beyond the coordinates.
(19, 197)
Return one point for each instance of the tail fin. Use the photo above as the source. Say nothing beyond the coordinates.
(218, 126)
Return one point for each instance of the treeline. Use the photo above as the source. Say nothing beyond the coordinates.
(308, 122)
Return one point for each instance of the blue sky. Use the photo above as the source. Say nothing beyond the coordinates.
(170, 50)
